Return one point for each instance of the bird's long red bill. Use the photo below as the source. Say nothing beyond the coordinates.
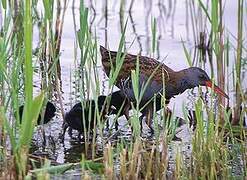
(216, 89)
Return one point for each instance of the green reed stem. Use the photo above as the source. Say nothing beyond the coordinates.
(31, 108)
(28, 71)
(237, 112)
(154, 36)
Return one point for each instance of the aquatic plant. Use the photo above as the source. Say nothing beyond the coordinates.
(218, 144)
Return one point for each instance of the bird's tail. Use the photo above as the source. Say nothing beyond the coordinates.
(103, 51)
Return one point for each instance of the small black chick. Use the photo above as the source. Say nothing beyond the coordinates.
(50, 110)
(74, 118)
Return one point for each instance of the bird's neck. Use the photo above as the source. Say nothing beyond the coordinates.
(184, 81)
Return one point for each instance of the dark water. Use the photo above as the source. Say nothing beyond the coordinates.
(174, 24)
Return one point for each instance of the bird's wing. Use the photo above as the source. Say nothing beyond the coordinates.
(148, 66)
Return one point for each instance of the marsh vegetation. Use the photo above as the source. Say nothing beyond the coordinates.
(49, 52)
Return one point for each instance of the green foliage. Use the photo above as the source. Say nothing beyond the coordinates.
(154, 32)
(213, 143)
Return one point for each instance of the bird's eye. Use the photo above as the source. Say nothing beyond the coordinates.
(201, 76)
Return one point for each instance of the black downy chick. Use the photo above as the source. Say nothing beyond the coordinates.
(50, 111)
(74, 118)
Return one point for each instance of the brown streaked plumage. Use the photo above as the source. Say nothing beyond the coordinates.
(158, 74)
(146, 64)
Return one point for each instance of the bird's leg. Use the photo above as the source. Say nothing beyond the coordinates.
(70, 132)
(140, 119)
(126, 110)
(103, 117)
(116, 125)
(44, 138)
(65, 126)
(79, 136)
(192, 119)
(107, 124)
(149, 117)
(168, 113)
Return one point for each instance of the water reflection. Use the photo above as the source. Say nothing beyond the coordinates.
(73, 152)
(140, 20)
(147, 12)
(138, 37)
(92, 15)
(105, 18)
